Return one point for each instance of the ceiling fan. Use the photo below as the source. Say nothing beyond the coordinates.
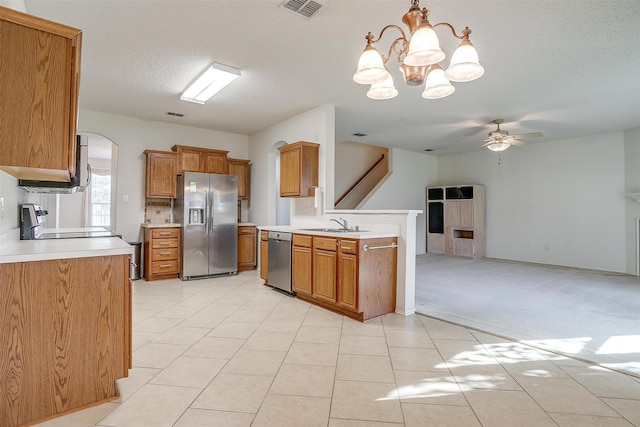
(500, 140)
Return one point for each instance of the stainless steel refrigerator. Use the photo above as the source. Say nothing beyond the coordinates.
(206, 206)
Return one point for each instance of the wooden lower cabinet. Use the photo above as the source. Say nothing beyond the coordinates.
(340, 275)
(161, 253)
(325, 268)
(264, 256)
(65, 335)
(348, 275)
(301, 262)
(246, 247)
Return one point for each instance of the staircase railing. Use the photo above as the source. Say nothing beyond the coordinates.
(359, 180)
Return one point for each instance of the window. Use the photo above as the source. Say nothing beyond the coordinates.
(100, 200)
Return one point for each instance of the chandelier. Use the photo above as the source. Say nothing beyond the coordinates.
(419, 59)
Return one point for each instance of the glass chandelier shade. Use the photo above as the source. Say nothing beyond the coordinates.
(437, 86)
(383, 90)
(370, 67)
(498, 146)
(424, 47)
(464, 65)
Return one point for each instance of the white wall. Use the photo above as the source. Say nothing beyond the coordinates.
(632, 178)
(9, 195)
(411, 173)
(14, 4)
(316, 125)
(133, 136)
(560, 202)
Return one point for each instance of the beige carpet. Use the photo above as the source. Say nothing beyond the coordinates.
(585, 314)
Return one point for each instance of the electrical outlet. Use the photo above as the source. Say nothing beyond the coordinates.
(125, 198)
(385, 217)
(1, 207)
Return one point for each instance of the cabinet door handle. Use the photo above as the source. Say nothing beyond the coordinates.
(165, 253)
(165, 265)
(165, 243)
(165, 233)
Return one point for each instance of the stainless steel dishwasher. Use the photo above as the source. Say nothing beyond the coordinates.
(280, 261)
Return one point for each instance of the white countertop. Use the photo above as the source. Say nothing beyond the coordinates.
(40, 250)
(161, 225)
(351, 234)
(247, 224)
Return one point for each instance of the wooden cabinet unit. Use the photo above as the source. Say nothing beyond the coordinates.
(348, 274)
(240, 168)
(246, 247)
(65, 335)
(455, 220)
(325, 268)
(340, 275)
(264, 256)
(161, 172)
(161, 253)
(301, 262)
(39, 80)
(196, 159)
(298, 169)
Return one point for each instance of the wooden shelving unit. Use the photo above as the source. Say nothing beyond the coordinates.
(455, 220)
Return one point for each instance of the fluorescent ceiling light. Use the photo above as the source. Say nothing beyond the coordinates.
(209, 83)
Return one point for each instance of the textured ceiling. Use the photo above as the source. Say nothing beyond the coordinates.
(564, 68)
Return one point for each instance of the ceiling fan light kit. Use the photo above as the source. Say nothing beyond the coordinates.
(419, 58)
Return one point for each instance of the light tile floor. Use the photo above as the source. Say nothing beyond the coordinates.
(232, 352)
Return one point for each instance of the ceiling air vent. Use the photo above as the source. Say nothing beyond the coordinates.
(304, 8)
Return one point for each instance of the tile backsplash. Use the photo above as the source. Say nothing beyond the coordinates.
(157, 211)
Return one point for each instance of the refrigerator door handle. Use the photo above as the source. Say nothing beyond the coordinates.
(206, 211)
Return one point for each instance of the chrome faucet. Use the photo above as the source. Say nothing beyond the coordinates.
(343, 224)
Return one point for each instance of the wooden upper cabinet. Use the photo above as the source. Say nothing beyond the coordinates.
(196, 159)
(240, 168)
(39, 80)
(298, 169)
(162, 169)
(215, 161)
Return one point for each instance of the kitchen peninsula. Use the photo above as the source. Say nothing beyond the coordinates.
(65, 325)
(352, 272)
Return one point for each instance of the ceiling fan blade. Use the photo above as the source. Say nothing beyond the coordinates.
(487, 143)
(527, 135)
(516, 142)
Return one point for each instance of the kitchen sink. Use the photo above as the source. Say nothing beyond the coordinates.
(332, 230)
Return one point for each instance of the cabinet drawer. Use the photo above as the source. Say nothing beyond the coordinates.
(164, 267)
(301, 240)
(245, 229)
(264, 235)
(348, 246)
(164, 254)
(164, 243)
(164, 233)
(326, 243)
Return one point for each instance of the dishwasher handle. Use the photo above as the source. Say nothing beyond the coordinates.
(280, 236)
